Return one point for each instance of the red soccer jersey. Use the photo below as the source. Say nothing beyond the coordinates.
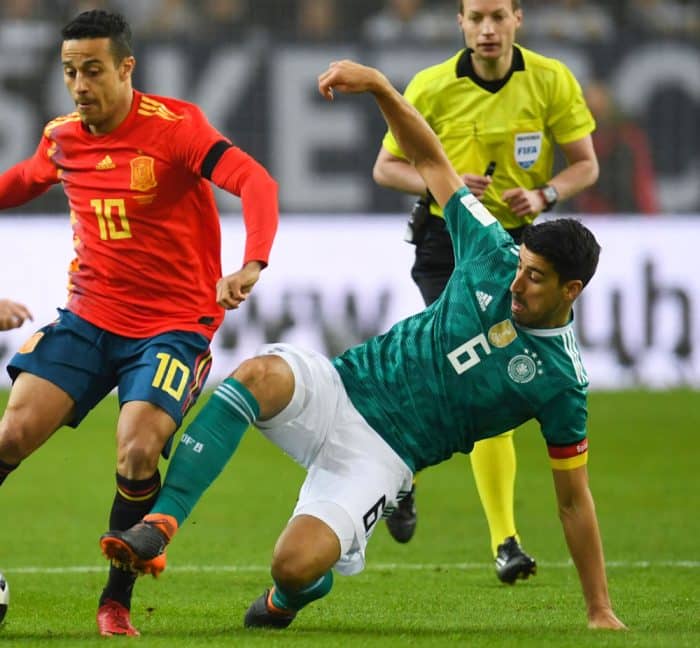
(145, 224)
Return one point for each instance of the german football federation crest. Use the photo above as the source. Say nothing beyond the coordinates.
(143, 173)
(522, 369)
(527, 149)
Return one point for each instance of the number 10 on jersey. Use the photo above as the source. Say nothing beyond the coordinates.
(111, 218)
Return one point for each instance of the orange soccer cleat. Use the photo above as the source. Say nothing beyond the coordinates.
(142, 547)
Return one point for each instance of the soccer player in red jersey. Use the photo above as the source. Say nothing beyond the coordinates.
(146, 292)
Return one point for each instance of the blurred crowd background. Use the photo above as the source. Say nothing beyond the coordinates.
(252, 64)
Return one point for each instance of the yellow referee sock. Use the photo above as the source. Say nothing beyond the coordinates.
(493, 463)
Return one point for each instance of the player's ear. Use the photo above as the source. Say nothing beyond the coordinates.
(126, 67)
(572, 289)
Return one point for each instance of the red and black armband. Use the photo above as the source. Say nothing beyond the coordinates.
(237, 172)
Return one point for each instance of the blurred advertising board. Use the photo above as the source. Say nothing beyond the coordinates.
(333, 281)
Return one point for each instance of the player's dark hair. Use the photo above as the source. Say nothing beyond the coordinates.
(102, 24)
(513, 3)
(568, 245)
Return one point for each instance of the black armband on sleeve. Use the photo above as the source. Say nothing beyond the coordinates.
(214, 155)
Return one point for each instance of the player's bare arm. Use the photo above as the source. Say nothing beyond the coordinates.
(581, 172)
(412, 132)
(397, 173)
(582, 168)
(232, 290)
(580, 524)
(13, 314)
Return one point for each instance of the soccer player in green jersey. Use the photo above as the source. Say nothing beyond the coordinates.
(496, 349)
(499, 110)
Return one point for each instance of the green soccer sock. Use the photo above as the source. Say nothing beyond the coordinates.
(287, 600)
(205, 447)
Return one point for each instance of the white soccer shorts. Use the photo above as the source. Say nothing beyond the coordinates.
(353, 474)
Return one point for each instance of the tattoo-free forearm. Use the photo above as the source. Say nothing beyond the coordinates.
(583, 538)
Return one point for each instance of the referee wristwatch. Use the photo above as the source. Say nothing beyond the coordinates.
(550, 195)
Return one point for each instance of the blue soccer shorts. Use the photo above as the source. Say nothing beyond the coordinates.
(87, 362)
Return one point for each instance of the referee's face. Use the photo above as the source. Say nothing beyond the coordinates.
(489, 28)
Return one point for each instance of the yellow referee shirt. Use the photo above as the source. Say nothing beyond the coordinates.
(514, 121)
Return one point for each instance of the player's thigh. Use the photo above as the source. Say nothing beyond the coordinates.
(168, 370)
(36, 408)
(354, 481)
(71, 354)
(301, 428)
(353, 478)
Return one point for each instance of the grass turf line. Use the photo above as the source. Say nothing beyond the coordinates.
(642, 476)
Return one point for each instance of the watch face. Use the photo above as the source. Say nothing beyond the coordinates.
(550, 194)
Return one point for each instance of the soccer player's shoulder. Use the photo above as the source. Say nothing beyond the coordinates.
(167, 109)
(62, 122)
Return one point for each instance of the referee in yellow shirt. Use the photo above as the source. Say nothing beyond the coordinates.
(498, 109)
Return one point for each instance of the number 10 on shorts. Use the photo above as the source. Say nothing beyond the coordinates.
(171, 375)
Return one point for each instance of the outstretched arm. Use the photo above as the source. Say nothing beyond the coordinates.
(578, 518)
(412, 132)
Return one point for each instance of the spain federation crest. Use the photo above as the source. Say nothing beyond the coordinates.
(143, 173)
(527, 149)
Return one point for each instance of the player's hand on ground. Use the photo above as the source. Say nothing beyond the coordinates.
(524, 202)
(12, 314)
(477, 183)
(232, 290)
(350, 77)
(605, 620)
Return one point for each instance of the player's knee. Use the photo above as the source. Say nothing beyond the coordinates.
(305, 551)
(270, 380)
(258, 371)
(16, 435)
(137, 457)
(295, 570)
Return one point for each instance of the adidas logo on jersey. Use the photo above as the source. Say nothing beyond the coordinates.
(484, 299)
(105, 164)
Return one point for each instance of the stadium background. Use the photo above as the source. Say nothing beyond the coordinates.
(340, 271)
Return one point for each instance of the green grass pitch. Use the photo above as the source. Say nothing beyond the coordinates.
(440, 589)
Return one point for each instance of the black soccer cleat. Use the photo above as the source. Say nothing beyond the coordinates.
(402, 522)
(142, 547)
(512, 563)
(263, 614)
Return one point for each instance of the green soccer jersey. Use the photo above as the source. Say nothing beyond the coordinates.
(462, 370)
